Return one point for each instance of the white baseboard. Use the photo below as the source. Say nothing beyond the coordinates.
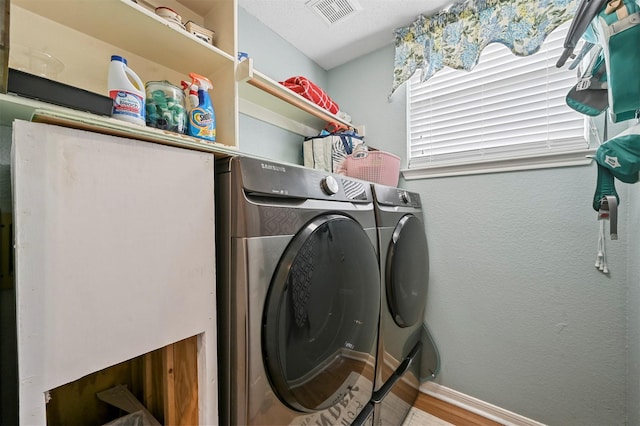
(474, 405)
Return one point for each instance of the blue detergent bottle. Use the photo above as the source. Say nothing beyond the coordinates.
(202, 117)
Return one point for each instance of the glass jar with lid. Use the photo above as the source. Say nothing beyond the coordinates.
(165, 106)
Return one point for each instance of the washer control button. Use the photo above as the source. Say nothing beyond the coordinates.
(405, 197)
(329, 185)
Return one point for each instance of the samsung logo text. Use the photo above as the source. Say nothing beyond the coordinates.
(273, 167)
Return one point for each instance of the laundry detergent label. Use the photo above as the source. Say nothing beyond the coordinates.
(202, 124)
(127, 103)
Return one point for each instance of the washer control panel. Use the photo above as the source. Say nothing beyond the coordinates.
(390, 196)
(267, 178)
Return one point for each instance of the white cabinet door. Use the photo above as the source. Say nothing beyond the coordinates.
(114, 257)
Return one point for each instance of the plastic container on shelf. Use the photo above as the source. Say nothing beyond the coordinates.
(171, 16)
(127, 91)
(165, 107)
(374, 166)
(36, 62)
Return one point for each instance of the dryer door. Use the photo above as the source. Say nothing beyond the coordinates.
(320, 321)
(407, 272)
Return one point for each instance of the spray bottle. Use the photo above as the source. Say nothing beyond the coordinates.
(202, 117)
(192, 94)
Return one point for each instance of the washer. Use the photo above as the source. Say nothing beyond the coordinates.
(404, 270)
(298, 294)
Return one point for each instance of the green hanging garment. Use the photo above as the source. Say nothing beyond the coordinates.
(618, 158)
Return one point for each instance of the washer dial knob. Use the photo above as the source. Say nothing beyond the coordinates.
(329, 185)
(405, 197)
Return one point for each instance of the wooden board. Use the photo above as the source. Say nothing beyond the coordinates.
(76, 402)
(449, 412)
(181, 383)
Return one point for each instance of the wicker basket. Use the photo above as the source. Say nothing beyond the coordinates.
(374, 166)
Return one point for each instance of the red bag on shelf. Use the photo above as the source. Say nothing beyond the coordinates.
(308, 90)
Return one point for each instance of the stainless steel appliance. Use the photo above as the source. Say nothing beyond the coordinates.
(298, 294)
(405, 346)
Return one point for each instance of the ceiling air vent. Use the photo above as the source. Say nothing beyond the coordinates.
(334, 11)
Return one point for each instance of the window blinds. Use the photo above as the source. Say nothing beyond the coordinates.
(507, 107)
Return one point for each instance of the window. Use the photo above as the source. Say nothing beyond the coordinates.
(508, 113)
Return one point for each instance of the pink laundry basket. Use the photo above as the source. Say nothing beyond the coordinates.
(374, 166)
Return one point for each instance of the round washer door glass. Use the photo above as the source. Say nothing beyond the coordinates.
(321, 314)
(407, 272)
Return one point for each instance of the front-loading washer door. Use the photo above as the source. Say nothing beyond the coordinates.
(407, 272)
(320, 320)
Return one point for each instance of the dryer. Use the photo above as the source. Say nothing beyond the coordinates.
(298, 294)
(404, 271)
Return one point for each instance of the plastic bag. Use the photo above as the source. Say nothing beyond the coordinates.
(336, 145)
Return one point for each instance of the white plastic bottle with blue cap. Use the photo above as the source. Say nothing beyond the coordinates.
(127, 91)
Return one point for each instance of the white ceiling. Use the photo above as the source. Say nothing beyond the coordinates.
(329, 46)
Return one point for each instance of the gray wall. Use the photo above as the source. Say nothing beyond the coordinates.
(278, 59)
(522, 318)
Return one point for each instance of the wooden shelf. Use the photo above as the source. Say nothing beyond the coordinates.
(15, 107)
(139, 30)
(267, 100)
(134, 27)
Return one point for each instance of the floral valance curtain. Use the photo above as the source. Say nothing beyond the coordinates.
(455, 37)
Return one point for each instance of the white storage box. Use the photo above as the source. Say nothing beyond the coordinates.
(200, 32)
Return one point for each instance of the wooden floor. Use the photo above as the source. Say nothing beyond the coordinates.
(450, 413)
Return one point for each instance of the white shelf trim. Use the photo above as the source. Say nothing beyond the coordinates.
(258, 89)
(16, 107)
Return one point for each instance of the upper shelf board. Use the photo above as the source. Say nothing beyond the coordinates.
(132, 27)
